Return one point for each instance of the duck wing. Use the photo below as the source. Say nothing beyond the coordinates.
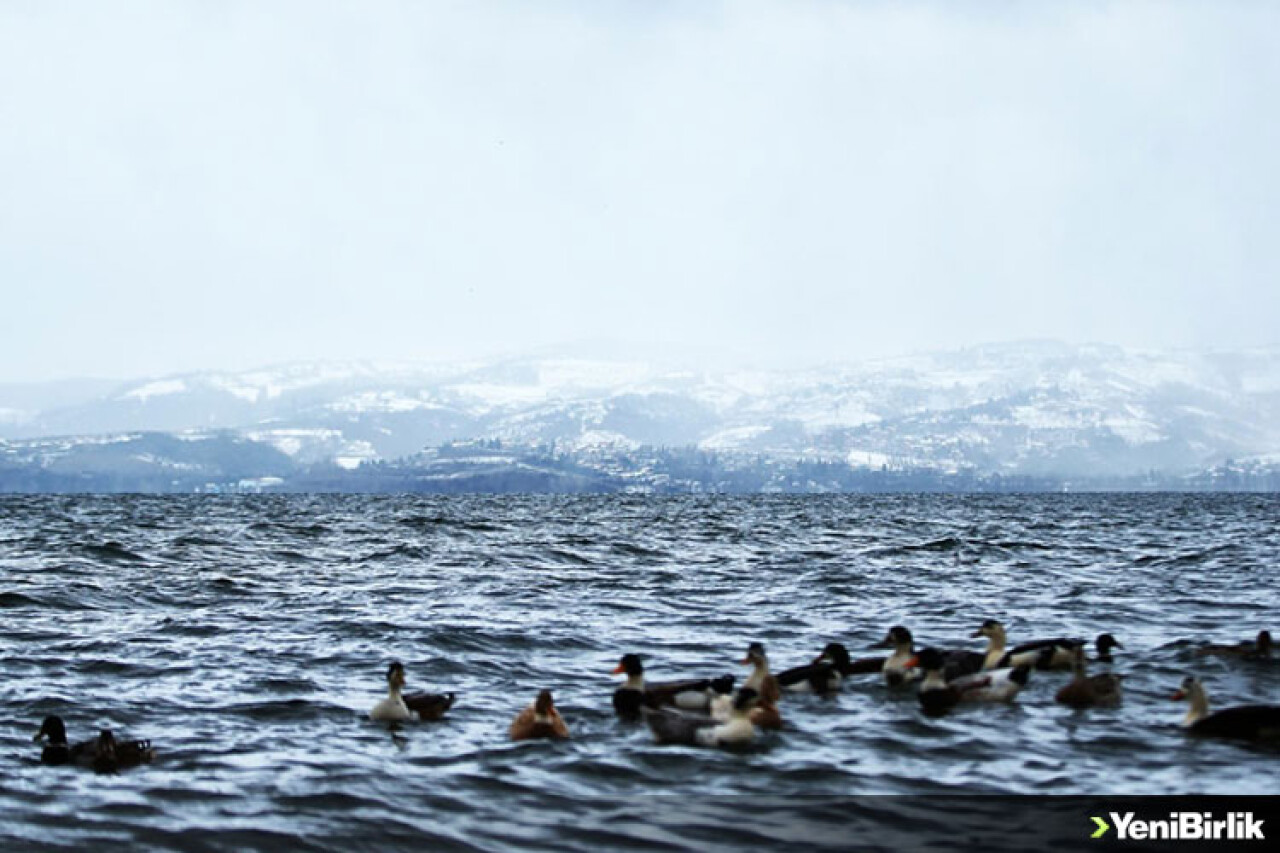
(691, 694)
(959, 662)
(863, 666)
(429, 706)
(671, 726)
(819, 677)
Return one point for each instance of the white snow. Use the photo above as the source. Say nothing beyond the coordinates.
(159, 388)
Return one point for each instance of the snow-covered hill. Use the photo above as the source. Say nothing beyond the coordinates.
(1030, 407)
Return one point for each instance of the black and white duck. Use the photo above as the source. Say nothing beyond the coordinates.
(690, 694)
(827, 671)
(400, 707)
(939, 695)
(672, 726)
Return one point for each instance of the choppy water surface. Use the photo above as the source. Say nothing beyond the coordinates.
(248, 637)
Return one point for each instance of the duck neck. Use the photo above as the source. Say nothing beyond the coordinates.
(758, 675)
(1199, 706)
(635, 682)
(995, 650)
(902, 653)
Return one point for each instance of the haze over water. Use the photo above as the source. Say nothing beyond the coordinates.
(248, 638)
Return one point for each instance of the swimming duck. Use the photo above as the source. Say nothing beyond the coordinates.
(765, 714)
(1247, 722)
(672, 726)
(895, 670)
(634, 694)
(1056, 653)
(104, 754)
(760, 679)
(539, 720)
(1085, 691)
(938, 695)
(827, 671)
(398, 707)
(1259, 649)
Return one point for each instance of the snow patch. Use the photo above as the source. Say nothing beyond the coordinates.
(159, 388)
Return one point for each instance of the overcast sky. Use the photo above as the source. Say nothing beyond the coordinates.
(226, 185)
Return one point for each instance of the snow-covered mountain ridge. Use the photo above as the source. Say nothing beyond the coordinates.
(1029, 407)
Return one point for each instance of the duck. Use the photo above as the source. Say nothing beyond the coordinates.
(1087, 691)
(1246, 722)
(104, 754)
(1056, 653)
(827, 671)
(938, 695)
(894, 669)
(635, 694)
(1259, 649)
(672, 726)
(539, 720)
(398, 707)
(760, 679)
(765, 714)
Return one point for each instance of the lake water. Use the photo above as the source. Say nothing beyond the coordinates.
(249, 636)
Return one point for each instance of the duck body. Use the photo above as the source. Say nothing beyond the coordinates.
(104, 754)
(539, 720)
(938, 694)
(1242, 722)
(824, 675)
(398, 707)
(676, 727)
(1087, 691)
(632, 697)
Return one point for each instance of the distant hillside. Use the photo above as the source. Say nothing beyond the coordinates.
(1027, 410)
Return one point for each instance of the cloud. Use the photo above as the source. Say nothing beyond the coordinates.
(222, 185)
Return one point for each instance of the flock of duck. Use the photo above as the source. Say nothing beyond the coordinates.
(708, 712)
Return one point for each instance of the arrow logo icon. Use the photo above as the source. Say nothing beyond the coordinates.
(1103, 826)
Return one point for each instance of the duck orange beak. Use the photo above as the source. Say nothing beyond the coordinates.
(619, 669)
(1181, 694)
(915, 661)
(745, 660)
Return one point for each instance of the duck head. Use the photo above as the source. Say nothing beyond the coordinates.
(991, 629)
(1104, 644)
(395, 675)
(631, 665)
(755, 655)
(897, 638)
(1264, 643)
(544, 706)
(834, 653)
(54, 729)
